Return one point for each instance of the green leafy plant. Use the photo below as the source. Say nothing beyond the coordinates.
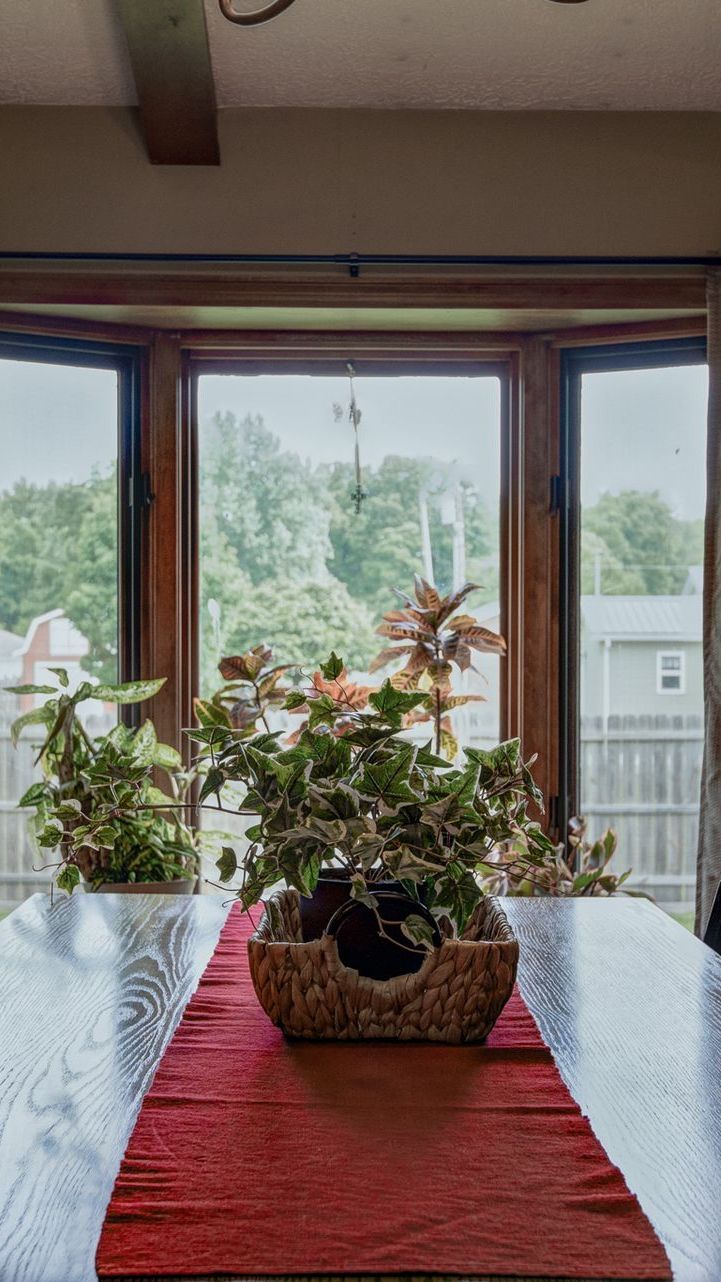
(98, 804)
(432, 638)
(335, 682)
(253, 687)
(373, 803)
(583, 870)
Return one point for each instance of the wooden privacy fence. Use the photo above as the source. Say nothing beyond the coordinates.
(17, 852)
(641, 776)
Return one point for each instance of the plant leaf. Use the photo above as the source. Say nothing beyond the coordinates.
(68, 878)
(227, 864)
(62, 676)
(31, 689)
(418, 930)
(128, 691)
(333, 667)
(35, 717)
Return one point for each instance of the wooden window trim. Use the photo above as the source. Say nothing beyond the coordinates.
(397, 354)
(529, 528)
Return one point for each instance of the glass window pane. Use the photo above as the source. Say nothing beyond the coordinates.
(643, 442)
(58, 566)
(284, 556)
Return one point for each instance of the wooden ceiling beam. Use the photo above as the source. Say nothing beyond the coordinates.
(170, 58)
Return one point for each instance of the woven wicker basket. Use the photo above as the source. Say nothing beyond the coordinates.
(456, 996)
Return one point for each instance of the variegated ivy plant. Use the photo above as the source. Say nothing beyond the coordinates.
(372, 802)
(98, 805)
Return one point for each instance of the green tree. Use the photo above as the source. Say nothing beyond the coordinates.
(643, 548)
(91, 584)
(268, 503)
(303, 622)
(381, 547)
(58, 549)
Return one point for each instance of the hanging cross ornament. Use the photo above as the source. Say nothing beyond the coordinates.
(358, 494)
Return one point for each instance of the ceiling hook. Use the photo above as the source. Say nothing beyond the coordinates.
(257, 16)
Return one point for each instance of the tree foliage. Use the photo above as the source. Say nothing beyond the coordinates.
(643, 548)
(286, 560)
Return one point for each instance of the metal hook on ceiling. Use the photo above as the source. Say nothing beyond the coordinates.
(257, 16)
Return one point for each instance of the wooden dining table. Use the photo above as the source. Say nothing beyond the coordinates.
(93, 986)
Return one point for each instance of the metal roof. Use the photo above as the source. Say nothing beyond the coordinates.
(639, 618)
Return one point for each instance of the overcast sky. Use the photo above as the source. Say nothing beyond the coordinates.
(641, 430)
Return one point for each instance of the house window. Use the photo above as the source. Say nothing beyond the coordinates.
(68, 548)
(289, 558)
(670, 672)
(634, 438)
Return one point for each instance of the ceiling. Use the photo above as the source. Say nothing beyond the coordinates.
(469, 54)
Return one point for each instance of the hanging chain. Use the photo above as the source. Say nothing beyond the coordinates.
(354, 416)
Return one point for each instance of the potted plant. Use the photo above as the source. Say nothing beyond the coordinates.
(354, 794)
(582, 871)
(99, 804)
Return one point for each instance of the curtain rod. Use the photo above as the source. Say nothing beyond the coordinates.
(351, 260)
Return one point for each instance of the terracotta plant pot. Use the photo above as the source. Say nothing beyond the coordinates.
(180, 886)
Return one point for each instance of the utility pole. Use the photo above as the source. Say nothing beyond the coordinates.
(459, 541)
(426, 548)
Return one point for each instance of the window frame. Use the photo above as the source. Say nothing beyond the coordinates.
(575, 361)
(670, 654)
(380, 354)
(132, 491)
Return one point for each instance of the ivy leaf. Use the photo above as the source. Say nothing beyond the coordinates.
(68, 878)
(367, 849)
(333, 667)
(360, 892)
(419, 931)
(50, 835)
(105, 836)
(210, 714)
(227, 864)
(392, 704)
(323, 711)
(389, 779)
(294, 700)
(70, 808)
(212, 783)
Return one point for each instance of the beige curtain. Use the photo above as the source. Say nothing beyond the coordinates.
(709, 848)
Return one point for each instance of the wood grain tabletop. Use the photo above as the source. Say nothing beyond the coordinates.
(92, 988)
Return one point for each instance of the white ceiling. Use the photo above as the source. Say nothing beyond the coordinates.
(494, 54)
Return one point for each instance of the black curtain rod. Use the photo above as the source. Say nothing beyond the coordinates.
(360, 260)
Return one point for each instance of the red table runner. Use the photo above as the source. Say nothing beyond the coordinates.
(257, 1156)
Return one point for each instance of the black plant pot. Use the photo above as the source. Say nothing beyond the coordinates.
(380, 950)
(331, 893)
